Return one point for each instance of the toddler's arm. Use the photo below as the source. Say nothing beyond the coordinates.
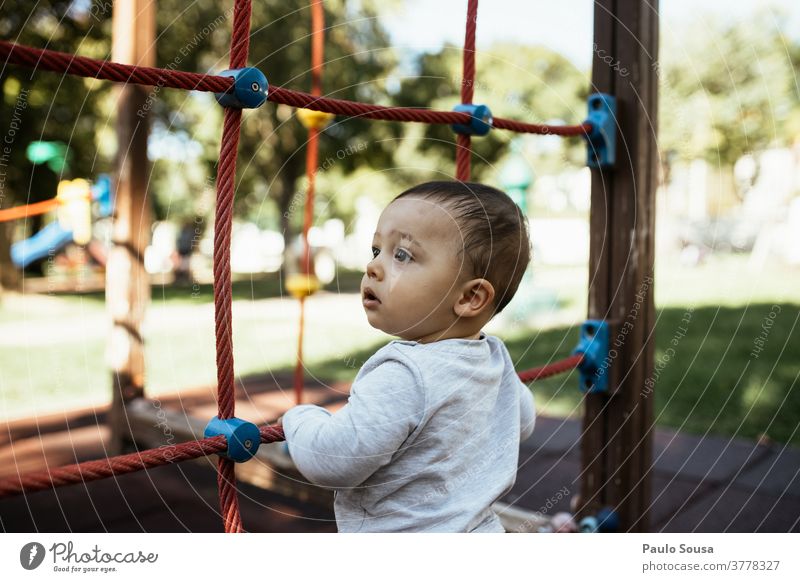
(344, 449)
(527, 410)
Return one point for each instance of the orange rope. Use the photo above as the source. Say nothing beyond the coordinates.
(28, 210)
(312, 157)
(298, 369)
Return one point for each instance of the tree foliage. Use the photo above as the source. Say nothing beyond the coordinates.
(726, 90)
(526, 83)
(272, 146)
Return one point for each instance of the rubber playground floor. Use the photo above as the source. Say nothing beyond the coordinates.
(700, 484)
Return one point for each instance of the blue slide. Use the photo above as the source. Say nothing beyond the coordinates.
(51, 239)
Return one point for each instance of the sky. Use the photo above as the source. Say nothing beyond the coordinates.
(563, 25)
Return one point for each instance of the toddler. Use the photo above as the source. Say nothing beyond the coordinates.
(429, 437)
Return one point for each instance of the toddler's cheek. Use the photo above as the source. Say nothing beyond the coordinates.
(375, 321)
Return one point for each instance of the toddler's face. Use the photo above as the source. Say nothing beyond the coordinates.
(411, 285)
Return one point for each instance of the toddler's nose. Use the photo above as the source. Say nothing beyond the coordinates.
(374, 269)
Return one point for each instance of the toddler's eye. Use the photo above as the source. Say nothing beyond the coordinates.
(375, 251)
(401, 255)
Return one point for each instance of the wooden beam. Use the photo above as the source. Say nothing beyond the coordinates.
(127, 285)
(616, 445)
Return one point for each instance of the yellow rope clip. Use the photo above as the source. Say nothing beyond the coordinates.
(314, 119)
(299, 285)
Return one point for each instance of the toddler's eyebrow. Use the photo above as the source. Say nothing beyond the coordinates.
(404, 236)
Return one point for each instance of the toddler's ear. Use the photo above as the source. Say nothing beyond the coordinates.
(476, 296)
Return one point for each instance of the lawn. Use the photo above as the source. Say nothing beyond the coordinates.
(733, 372)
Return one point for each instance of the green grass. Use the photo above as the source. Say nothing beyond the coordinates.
(712, 382)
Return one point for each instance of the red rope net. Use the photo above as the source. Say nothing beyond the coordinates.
(240, 41)
(59, 62)
(552, 369)
(463, 141)
(18, 54)
(122, 464)
(223, 299)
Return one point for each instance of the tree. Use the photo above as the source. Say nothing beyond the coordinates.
(727, 89)
(793, 126)
(525, 83)
(271, 152)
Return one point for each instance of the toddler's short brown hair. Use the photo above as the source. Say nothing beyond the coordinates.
(497, 243)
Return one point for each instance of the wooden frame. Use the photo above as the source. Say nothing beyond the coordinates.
(127, 283)
(616, 443)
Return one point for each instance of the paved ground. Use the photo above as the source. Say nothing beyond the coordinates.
(173, 498)
(707, 484)
(710, 484)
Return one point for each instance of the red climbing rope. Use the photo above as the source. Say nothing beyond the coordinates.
(366, 110)
(551, 369)
(464, 141)
(223, 299)
(122, 464)
(410, 114)
(85, 67)
(468, 80)
(541, 129)
(59, 62)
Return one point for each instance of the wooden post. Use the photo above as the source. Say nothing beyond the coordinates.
(127, 284)
(616, 445)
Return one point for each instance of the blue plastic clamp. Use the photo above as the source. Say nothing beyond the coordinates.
(602, 140)
(102, 193)
(481, 121)
(593, 345)
(243, 437)
(588, 524)
(250, 88)
(608, 520)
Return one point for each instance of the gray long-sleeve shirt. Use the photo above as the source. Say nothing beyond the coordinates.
(428, 440)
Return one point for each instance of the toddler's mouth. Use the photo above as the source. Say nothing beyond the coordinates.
(369, 299)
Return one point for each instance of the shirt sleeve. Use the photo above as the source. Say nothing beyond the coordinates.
(527, 411)
(344, 448)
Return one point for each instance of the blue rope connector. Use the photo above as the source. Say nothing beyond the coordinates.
(243, 437)
(103, 194)
(250, 88)
(602, 140)
(593, 346)
(588, 524)
(481, 121)
(607, 520)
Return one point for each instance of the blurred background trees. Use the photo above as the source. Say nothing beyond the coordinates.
(726, 91)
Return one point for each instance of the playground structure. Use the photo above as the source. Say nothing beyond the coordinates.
(73, 224)
(618, 416)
